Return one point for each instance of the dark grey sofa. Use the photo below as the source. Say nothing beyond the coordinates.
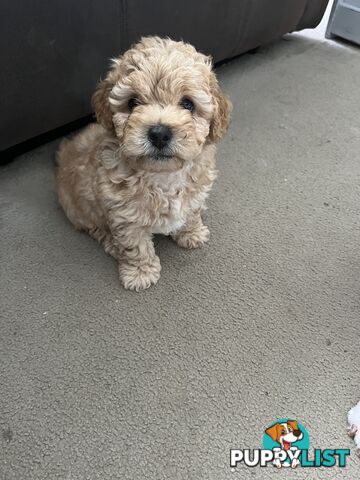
(53, 53)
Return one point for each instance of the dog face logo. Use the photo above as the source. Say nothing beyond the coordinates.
(286, 437)
(285, 433)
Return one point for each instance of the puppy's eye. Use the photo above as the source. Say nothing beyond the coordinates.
(187, 104)
(132, 103)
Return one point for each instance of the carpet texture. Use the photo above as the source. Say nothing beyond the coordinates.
(100, 383)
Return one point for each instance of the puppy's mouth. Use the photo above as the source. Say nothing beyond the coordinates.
(159, 154)
(161, 157)
(286, 445)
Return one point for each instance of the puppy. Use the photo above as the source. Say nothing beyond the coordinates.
(148, 165)
(285, 433)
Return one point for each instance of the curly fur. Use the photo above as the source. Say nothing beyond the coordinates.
(110, 181)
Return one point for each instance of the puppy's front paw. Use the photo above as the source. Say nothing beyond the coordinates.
(354, 426)
(192, 238)
(140, 277)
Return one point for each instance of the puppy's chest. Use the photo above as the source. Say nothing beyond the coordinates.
(171, 199)
(171, 215)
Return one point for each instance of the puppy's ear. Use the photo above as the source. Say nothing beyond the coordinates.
(273, 432)
(222, 110)
(293, 424)
(100, 101)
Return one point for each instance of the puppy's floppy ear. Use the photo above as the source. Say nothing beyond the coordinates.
(101, 105)
(222, 109)
(293, 424)
(273, 432)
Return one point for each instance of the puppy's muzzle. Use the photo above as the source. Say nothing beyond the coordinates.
(160, 136)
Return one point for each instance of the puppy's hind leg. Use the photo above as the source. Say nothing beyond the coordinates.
(194, 233)
(105, 239)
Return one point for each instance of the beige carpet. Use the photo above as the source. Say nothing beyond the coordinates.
(100, 383)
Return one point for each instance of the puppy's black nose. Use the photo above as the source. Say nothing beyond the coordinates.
(297, 433)
(159, 136)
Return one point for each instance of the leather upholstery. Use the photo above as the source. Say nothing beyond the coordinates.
(52, 58)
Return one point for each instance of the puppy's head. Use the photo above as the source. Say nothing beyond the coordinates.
(285, 433)
(163, 103)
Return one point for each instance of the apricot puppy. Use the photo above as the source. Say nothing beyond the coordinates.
(147, 166)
